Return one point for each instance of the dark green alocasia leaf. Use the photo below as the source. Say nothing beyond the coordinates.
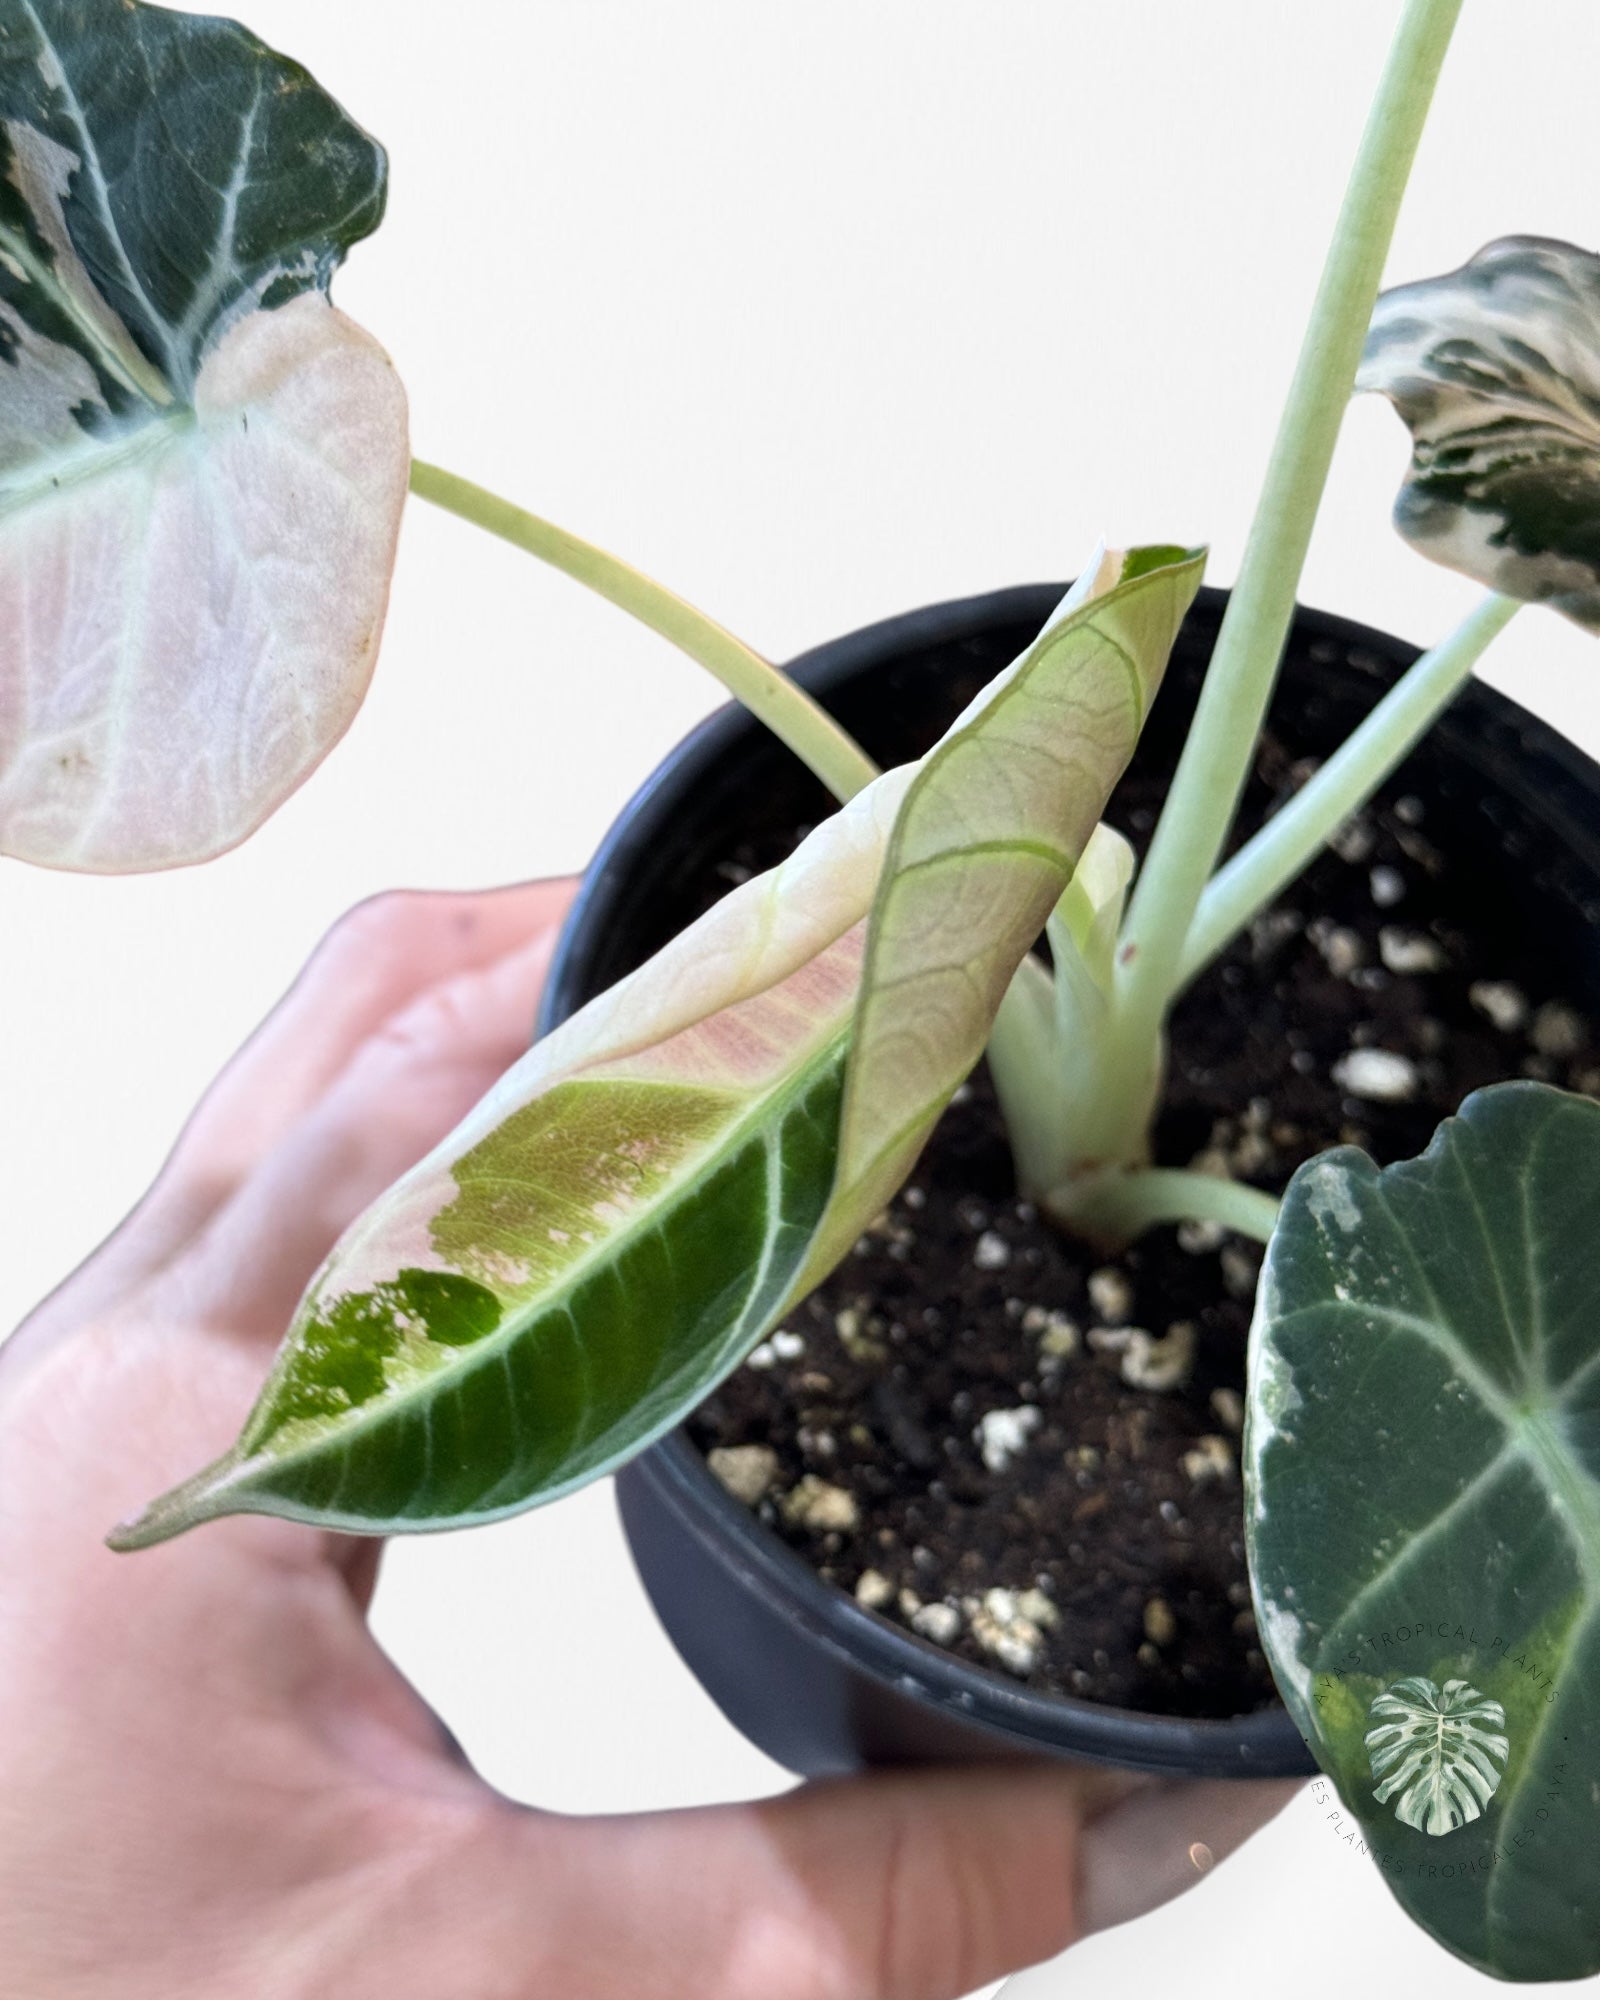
(1495, 369)
(202, 463)
(654, 1184)
(1423, 1513)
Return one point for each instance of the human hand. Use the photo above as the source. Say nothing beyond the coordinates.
(212, 1781)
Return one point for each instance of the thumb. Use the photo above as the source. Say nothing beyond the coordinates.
(915, 1885)
(908, 1886)
(1144, 1849)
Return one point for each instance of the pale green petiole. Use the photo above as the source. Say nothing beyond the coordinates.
(1119, 1206)
(782, 704)
(1269, 862)
(1216, 757)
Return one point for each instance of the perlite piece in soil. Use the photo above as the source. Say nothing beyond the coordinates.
(873, 1590)
(1003, 1435)
(991, 1252)
(1503, 1004)
(819, 1507)
(1111, 1295)
(938, 1622)
(1409, 952)
(1378, 1075)
(1057, 1334)
(1557, 1030)
(1003, 1628)
(746, 1470)
(1388, 887)
(1211, 1458)
(1148, 1363)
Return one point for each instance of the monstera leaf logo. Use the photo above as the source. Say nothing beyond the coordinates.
(1443, 1750)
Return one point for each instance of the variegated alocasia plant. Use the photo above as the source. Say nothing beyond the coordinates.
(202, 467)
(202, 462)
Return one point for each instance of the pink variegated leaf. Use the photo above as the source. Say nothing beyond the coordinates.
(646, 1193)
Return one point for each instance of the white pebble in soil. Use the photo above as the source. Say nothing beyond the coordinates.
(858, 1336)
(1038, 1606)
(1163, 1364)
(991, 1252)
(1211, 1458)
(820, 1508)
(1003, 1628)
(1557, 1030)
(1057, 1333)
(1409, 952)
(1378, 1075)
(788, 1346)
(1003, 1435)
(747, 1471)
(1501, 1003)
(1388, 887)
(1058, 1337)
(1111, 1295)
(1353, 841)
(938, 1622)
(1340, 948)
(873, 1590)
(1229, 1407)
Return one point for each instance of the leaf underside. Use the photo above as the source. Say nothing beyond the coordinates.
(646, 1193)
(202, 463)
(1423, 1505)
(1495, 369)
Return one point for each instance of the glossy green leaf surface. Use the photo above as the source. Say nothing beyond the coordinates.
(1495, 369)
(1423, 1513)
(202, 463)
(655, 1183)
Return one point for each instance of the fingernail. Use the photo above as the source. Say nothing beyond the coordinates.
(1158, 1843)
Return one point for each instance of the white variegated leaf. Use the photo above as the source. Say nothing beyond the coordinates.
(1495, 369)
(202, 463)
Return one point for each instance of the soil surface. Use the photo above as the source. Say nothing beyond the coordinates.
(1031, 1456)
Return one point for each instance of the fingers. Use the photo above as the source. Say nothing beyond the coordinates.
(380, 958)
(1146, 1849)
(924, 1886)
(913, 1886)
(900, 1887)
(1142, 1851)
(403, 1090)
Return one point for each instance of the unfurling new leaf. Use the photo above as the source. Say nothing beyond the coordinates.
(660, 1179)
(202, 463)
(1496, 370)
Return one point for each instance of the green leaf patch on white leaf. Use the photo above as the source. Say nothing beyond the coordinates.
(202, 463)
(1495, 369)
(1423, 1514)
(647, 1192)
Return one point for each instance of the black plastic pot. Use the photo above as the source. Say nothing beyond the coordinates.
(816, 1681)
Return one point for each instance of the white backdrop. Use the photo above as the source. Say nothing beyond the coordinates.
(818, 314)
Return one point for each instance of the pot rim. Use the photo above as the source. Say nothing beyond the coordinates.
(1259, 1742)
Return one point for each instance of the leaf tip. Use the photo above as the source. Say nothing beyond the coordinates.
(205, 1497)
